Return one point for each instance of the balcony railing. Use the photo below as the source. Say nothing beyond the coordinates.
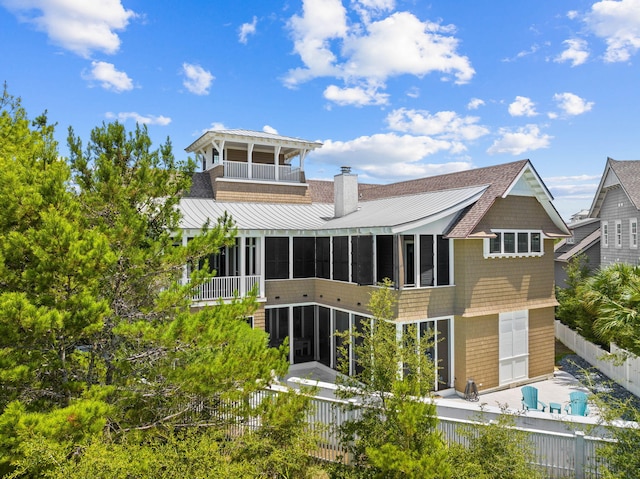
(227, 287)
(262, 172)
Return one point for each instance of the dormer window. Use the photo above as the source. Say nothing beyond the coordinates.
(512, 243)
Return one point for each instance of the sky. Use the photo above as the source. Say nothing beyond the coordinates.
(395, 89)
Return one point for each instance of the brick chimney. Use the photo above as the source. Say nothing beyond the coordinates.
(345, 192)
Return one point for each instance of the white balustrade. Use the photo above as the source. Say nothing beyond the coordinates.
(262, 172)
(227, 287)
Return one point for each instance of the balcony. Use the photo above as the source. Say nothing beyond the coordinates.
(262, 172)
(228, 287)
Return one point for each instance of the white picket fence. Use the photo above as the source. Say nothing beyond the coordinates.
(557, 454)
(625, 372)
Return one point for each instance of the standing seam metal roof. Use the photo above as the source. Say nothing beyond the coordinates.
(383, 213)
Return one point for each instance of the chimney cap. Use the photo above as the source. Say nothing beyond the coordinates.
(345, 170)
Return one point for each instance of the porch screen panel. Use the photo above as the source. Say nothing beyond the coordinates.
(341, 353)
(323, 258)
(443, 261)
(276, 325)
(304, 261)
(362, 259)
(341, 258)
(277, 258)
(384, 258)
(442, 348)
(426, 260)
(324, 335)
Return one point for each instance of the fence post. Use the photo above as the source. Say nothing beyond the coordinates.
(580, 455)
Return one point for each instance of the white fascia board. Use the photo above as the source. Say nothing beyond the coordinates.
(449, 212)
(529, 169)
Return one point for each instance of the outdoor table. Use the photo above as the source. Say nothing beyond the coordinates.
(555, 407)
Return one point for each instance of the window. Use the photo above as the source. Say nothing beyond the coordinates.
(618, 234)
(633, 233)
(536, 243)
(277, 258)
(514, 243)
(495, 244)
(605, 234)
(509, 242)
(523, 242)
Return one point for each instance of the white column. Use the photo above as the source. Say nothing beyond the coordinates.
(242, 254)
(276, 161)
(249, 160)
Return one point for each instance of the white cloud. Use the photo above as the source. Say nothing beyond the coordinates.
(413, 92)
(357, 96)
(142, 119)
(389, 157)
(522, 106)
(572, 14)
(527, 138)
(368, 9)
(576, 52)
(524, 53)
(247, 29)
(369, 52)
(618, 23)
(197, 79)
(443, 124)
(80, 26)
(572, 104)
(269, 129)
(475, 103)
(108, 77)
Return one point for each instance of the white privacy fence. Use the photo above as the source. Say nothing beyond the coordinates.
(622, 367)
(570, 454)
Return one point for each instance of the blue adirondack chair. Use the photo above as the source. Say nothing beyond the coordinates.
(530, 400)
(577, 404)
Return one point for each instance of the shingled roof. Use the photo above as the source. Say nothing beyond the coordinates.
(499, 179)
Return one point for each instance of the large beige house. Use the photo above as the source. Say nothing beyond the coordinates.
(470, 254)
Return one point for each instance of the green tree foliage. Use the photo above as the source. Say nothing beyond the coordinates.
(571, 309)
(494, 450)
(394, 431)
(612, 296)
(99, 347)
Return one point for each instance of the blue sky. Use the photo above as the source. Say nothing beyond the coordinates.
(396, 89)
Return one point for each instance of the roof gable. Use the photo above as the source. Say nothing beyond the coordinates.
(625, 174)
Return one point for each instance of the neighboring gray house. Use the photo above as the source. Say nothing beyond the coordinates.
(617, 206)
(584, 240)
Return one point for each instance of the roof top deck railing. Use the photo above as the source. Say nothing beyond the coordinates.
(262, 172)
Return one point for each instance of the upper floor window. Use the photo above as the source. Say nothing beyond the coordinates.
(633, 232)
(514, 243)
(605, 234)
(618, 234)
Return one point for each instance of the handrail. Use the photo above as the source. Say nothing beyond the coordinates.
(262, 172)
